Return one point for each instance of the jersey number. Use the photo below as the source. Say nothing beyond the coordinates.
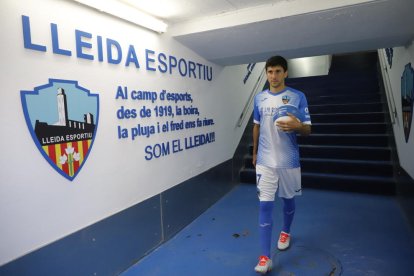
(258, 176)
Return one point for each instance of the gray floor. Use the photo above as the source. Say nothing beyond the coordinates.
(334, 233)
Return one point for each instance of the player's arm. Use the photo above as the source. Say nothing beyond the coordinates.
(299, 127)
(304, 129)
(256, 131)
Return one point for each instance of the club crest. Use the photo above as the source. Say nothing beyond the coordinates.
(62, 118)
(285, 99)
(407, 98)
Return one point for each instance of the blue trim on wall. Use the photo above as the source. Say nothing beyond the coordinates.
(405, 193)
(183, 204)
(113, 244)
(104, 248)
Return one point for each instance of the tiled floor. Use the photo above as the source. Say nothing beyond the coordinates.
(334, 233)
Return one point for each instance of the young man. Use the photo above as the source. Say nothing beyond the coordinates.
(280, 113)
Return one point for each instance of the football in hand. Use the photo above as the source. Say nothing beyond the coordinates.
(285, 120)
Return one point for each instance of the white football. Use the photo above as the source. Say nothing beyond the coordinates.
(285, 119)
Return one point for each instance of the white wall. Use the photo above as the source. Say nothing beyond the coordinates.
(392, 81)
(37, 204)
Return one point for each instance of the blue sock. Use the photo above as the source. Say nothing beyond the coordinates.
(288, 213)
(265, 226)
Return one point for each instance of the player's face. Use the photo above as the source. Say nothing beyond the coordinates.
(276, 76)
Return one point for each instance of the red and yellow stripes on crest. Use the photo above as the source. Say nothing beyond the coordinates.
(56, 151)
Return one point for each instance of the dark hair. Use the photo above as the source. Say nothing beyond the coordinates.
(277, 61)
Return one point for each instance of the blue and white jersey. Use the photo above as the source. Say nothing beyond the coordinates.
(276, 148)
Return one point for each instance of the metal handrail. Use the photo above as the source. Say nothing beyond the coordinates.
(388, 88)
(255, 89)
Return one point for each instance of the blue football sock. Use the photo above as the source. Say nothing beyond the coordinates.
(288, 213)
(265, 226)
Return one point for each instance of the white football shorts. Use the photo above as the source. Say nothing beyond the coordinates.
(286, 182)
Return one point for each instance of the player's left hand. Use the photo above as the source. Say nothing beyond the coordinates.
(292, 124)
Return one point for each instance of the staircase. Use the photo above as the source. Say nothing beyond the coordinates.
(348, 149)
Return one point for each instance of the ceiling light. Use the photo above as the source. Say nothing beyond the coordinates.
(127, 13)
(162, 9)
